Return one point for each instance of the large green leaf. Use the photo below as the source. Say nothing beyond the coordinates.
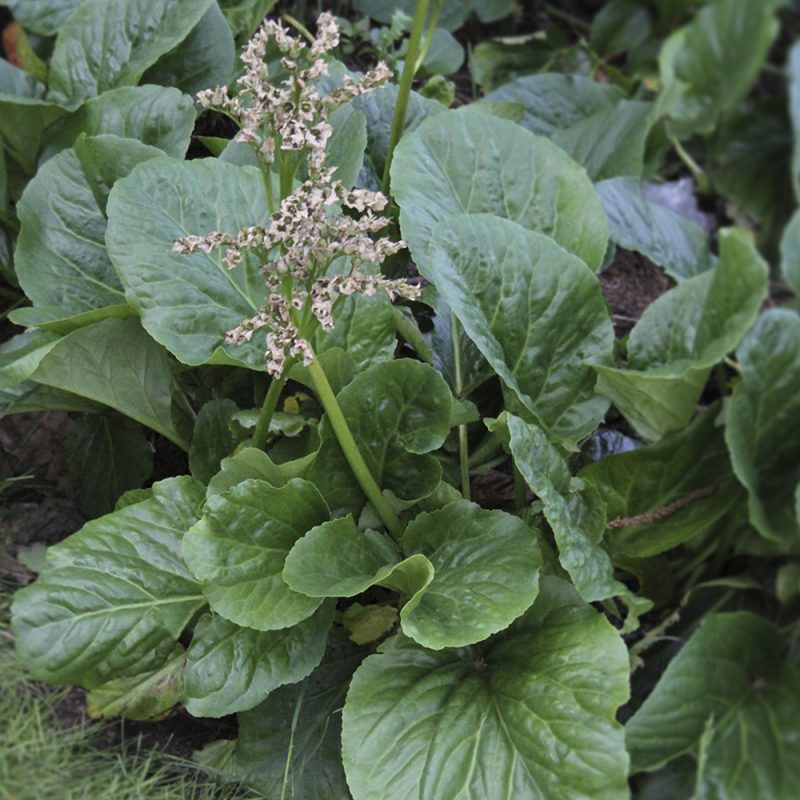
(610, 142)
(536, 313)
(230, 669)
(187, 303)
(115, 596)
(24, 115)
(574, 511)
(114, 362)
(552, 102)
(212, 439)
(239, 547)
(21, 354)
(709, 66)
(728, 695)
(662, 495)
(486, 568)
(453, 12)
(676, 244)
(336, 559)
(244, 16)
(145, 696)
(463, 162)
(61, 257)
(347, 144)
(107, 455)
(530, 713)
(378, 108)
(44, 17)
(763, 424)
(682, 335)
(250, 462)
(398, 412)
(364, 329)
(156, 115)
(290, 744)
(203, 60)
(110, 43)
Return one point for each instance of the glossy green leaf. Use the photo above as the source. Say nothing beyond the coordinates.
(347, 143)
(378, 108)
(203, 60)
(24, 116)
(553, 102)
(749, 163)
(21, 354)
(336, 559)
(364, 328)
(239, 547)
(486, 568)
(61, 257)
(250, 462)
(230, 669)
(187, 303)
(535, 312)
(611, 142)
(674, 243)
(107, 455)
(290, 744)
(619, 26)
(662, 495)
(574, 512)
(115, 596)
(763, 424)
(398, 412)
(44, 17)
(472, 369)
(709, 66)
(106, 44)
(140, 385)
(682, 335)
(244, 16)
(727, 686)
(212, 440)
(146, 696)
(156, 115)
(461, 163)
(530, 713)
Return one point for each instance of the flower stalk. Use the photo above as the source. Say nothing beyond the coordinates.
(350, 449)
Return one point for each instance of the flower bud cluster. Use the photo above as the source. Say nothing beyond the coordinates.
(321, 221)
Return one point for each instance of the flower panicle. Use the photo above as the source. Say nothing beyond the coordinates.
(310, 229)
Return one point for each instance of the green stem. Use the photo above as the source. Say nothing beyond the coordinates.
(699, 175)
(463, 442)
(564, 16)
(351, 451)
(434, 21)
(404, 89)
(267, 410)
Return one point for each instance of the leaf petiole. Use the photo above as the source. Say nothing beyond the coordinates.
(351, 451)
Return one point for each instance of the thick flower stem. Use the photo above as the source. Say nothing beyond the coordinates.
(404, 88)
(463, 443)
(267, 410)
(351, 451)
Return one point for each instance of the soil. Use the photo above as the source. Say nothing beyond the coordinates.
(630, 283)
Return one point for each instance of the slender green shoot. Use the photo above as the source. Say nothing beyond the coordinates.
(351, 451)
(404, 88)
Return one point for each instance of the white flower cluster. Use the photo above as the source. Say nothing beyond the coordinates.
(310, 228)
(293, 112)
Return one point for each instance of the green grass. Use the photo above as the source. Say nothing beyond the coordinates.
(41, 759)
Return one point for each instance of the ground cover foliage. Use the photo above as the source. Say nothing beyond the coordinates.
(220, 278)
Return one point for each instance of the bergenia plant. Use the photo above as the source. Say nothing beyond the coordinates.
(419, 554)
